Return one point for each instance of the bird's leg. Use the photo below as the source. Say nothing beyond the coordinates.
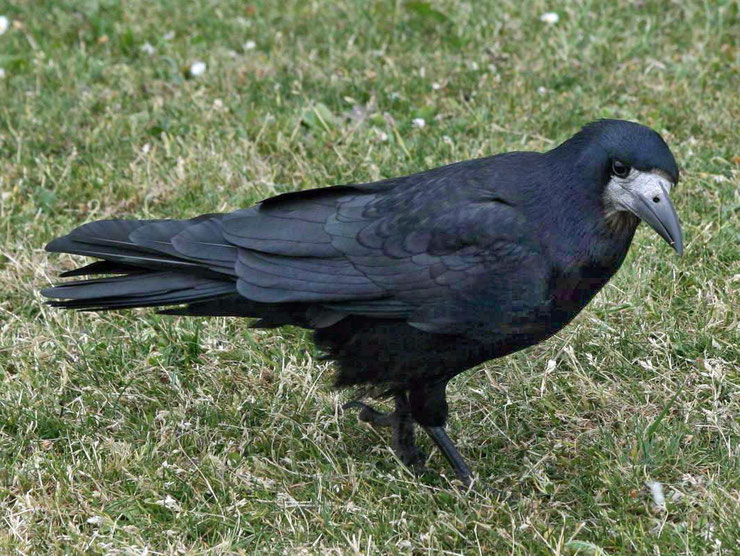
(448, 449)
(404, 437)
(428, 404)
(402, 424)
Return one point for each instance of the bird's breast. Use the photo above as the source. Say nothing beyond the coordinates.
(573, 289)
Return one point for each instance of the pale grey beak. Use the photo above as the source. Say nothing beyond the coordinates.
(655, 208)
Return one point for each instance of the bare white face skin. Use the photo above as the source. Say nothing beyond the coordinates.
(634, 193)
(624, 194)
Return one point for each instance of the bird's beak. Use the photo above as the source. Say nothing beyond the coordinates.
(651, 203)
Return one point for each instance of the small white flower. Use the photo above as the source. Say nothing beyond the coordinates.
(250, 45)
(656, 489)
(148, 49)
(2, 73)
(542, 90)
(418, 123)
(551, 18)
(382, 136)
(4, 24)
(197, 68)
(169, 35)
(436, 86)
(95, 520)
(170, 503)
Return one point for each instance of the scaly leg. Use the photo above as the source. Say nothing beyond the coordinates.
(448, 449)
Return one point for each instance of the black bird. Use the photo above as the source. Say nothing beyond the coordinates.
(409, 281)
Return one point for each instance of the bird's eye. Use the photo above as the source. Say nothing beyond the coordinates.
(620, 169)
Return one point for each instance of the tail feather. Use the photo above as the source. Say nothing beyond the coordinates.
(135, 273)
(175, 297)
(101, 267)
(101, 233)
(151, 283)
(178, 264)
(157, 235)
(110, 240)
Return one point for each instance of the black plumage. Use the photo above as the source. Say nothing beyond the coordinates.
(408, 281)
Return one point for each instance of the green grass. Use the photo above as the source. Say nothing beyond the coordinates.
(121, 433)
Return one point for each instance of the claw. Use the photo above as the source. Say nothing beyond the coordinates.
(370, 415)
(403, 441)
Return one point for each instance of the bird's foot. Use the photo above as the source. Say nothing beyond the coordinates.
(402, 424)
(369, 414)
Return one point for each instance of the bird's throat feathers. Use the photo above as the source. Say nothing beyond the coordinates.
(619, 222)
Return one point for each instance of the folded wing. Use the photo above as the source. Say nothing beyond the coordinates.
(443, 257)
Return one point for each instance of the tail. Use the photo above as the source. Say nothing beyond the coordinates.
(139, 268)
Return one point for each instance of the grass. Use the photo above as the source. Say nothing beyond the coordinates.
(136, 433)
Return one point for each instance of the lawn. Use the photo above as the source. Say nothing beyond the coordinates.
(142, 434)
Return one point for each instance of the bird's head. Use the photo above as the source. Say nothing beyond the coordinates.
(637, 171)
